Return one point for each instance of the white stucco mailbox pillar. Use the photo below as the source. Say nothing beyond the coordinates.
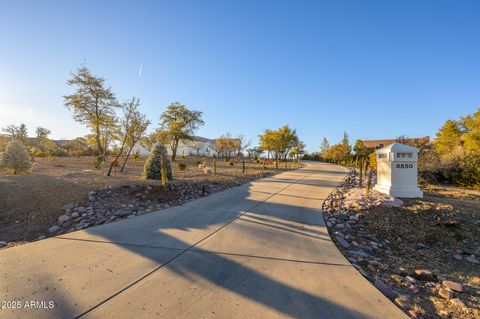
(397, 171)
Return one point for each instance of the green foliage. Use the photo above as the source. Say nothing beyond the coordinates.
(280, 142)
(470, 171)
(78, 147)
(16, 157)
(182, 166)
(153, 165)
(178, 123)
(93, 105)
(346, 148)
(455, 158)
(324, 146)
(360, 148)
(372, 159)
(448, 138)
(227, 146)
(335, 153)
(471, 136)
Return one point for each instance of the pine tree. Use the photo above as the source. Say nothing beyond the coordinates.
(153, 165)
(471, 137)
(448, 138)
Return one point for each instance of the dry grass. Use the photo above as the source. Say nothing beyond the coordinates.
(31, 203)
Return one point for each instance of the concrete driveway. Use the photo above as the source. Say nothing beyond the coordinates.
(260, 250)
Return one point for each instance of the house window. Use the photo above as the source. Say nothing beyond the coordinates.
(207, 150)
(404, 155)
(382, 155)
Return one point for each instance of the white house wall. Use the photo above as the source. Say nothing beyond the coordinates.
(187, 149)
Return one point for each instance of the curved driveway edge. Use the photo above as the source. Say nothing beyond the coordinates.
(260, 250)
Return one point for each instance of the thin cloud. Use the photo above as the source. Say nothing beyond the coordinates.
(140, 71)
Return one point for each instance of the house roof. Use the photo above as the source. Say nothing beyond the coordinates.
(398, 147)
(377, 143)
(202, 139)
(372, 144)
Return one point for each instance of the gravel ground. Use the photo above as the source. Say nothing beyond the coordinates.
(30, 204)
(424, 255)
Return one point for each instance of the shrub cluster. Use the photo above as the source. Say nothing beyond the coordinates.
(16, 158)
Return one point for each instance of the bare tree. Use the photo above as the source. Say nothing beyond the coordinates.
(139, 126)
(242, 144)
(124, 130)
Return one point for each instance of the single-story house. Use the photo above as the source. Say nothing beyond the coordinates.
(199, 146)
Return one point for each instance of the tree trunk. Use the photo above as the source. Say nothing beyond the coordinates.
(99, 142)
(117, 157)
(174, 146)
(126, 159)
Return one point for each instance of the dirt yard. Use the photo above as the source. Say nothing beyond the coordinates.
(31, 204)
(424, 255)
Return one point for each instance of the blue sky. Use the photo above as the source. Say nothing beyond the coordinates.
(378, 69)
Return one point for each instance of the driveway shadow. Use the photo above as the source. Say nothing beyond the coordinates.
(230, 273)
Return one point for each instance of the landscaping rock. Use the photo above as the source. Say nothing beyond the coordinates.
(403, 302)
(387, 291)
(410, 280)
(53, 229)
(359, 253)
(458, 257)
(445, 293)
(123, 212)
(458, 302)
(63, 219)
(342, 242)
(415, 315)
(3, 244)
(471, 259)
(68, 207)
(455, 286)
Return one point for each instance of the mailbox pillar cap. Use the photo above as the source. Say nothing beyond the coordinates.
(397, 147)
